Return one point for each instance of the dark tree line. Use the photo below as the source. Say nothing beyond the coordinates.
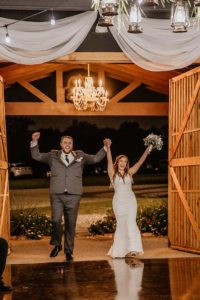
(128, 139)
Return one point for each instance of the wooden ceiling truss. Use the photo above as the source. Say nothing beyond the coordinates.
(131, 74)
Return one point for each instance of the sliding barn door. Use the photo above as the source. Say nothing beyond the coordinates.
(4, 196)
(184, 162)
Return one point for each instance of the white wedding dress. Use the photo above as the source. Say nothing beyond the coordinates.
(127, 236)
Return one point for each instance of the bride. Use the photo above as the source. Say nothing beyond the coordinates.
(127, 238)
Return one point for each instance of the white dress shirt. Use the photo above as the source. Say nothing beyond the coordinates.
(70, 157)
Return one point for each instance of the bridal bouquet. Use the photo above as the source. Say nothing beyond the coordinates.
(154, 140)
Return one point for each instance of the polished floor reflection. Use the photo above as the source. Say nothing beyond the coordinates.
(114, 279)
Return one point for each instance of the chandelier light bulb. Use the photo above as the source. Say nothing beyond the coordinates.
(53, 21)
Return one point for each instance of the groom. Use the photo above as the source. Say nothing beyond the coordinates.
(65, 187)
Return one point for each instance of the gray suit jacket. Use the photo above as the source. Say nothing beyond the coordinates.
(66, 177)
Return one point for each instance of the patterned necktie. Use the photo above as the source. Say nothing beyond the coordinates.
(67, 159)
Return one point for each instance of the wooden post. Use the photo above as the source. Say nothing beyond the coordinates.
(4, 192)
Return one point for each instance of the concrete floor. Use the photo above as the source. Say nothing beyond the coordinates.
(161, 273)
(87, 248)
(119, 279)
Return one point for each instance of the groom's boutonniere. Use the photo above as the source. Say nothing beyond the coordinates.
(79, 159)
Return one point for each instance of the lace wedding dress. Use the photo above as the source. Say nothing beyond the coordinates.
(127, 236)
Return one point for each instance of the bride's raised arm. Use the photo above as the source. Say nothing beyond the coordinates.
(138, 164)
(110, 168)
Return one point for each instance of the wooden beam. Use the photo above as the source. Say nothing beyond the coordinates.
(187, 161)
(186, 74)
(101, 76)
(60, 92)
(94, 57)
(158, 82)
(14, 73)
(132, 86)
(68, 109)
(35, 92)
(119, 77)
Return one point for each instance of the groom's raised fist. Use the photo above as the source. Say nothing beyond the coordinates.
(36, 136)
(107, 142)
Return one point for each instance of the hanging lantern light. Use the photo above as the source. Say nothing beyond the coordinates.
(180, 16)
(149, 3)
(109, 7)
(135, 19)
(105, 21)
(196, 12)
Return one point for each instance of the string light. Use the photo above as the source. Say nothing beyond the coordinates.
(53, 21)
(7, 37)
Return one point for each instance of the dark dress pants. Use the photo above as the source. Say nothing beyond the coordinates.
(67, 205)
(3, 255)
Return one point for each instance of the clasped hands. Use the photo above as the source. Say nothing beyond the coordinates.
(107, 142)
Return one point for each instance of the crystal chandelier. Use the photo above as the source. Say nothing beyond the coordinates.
(88, 96)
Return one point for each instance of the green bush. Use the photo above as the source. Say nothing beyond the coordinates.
(106, 225)
(153, 219)
(30, 224)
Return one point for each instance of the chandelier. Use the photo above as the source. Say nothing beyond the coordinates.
(88, 96)
(134, 11)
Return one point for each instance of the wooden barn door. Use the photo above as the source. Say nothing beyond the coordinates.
(4, 195)
(184, 162)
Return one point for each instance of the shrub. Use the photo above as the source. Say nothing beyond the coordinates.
(30, 224)
(152, 220)
(106, 225)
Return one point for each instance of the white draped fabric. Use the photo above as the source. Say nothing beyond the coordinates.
(158, 48)
(39, 42)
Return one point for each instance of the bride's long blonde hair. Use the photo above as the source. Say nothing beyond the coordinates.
(116, 169)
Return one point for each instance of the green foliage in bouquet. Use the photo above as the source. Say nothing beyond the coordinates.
(30, 224)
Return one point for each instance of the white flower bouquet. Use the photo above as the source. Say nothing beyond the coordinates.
(154, 140)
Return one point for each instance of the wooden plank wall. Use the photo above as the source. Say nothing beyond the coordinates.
(4, 194)
(184, 162)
